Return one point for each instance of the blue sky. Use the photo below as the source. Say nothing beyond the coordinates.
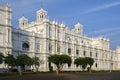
(99, 17)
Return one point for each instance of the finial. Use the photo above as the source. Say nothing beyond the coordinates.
(22, 14)
(8, 5)
(41, 3)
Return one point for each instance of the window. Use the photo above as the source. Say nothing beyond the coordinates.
(90, 54)
(58, 49)
(1, 37)
(0, 16)
(77, 52)
(42, 16)
(96, 55)
(38, 47)
(69, 51)
(84, 53)
(81, 41)
(50, 48)
(8, 35)
(23, 23)
(25, 46)
(111, 57)
(96, 65)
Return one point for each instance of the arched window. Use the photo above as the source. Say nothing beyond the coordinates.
(96, 65)
(77, 52)
(58, 49)
(96, 55)
(90, 54)
(50, 47)
(69, 50)
(23, 23)
(42, 16)
(25, 46)
(84, 53)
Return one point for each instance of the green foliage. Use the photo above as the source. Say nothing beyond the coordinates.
(23, 60)
(80, 62)
(1, 58)
(60, 60)
(10, 60)
(83, 62)
(89, 61)
(36, 62)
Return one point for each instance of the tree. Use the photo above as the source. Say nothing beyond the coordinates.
(59, 61)
(10, 61)
(23, 60)
(78, 61)
(1, 58)
(84, 65)
(36, 62)
(90, 62)
(81, 62)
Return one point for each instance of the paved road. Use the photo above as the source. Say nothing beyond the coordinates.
(67, 76)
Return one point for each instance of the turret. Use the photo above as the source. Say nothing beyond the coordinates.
(78, 28)
(5, 30)
(41, 15)
(23, 22)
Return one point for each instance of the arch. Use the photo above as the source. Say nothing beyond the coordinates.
(69, 50)
(96, 65)
(25, 46)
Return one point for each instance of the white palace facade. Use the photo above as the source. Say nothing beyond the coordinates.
(43, 38)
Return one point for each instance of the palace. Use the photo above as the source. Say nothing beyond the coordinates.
(43, 38)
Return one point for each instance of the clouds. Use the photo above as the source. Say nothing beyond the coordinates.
(111, 30)
(102, 7)
(105, 32)
(26, 7)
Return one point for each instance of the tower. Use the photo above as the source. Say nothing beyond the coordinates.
(78, 28)
(5, 31)
(41, 15)
(23, 22)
